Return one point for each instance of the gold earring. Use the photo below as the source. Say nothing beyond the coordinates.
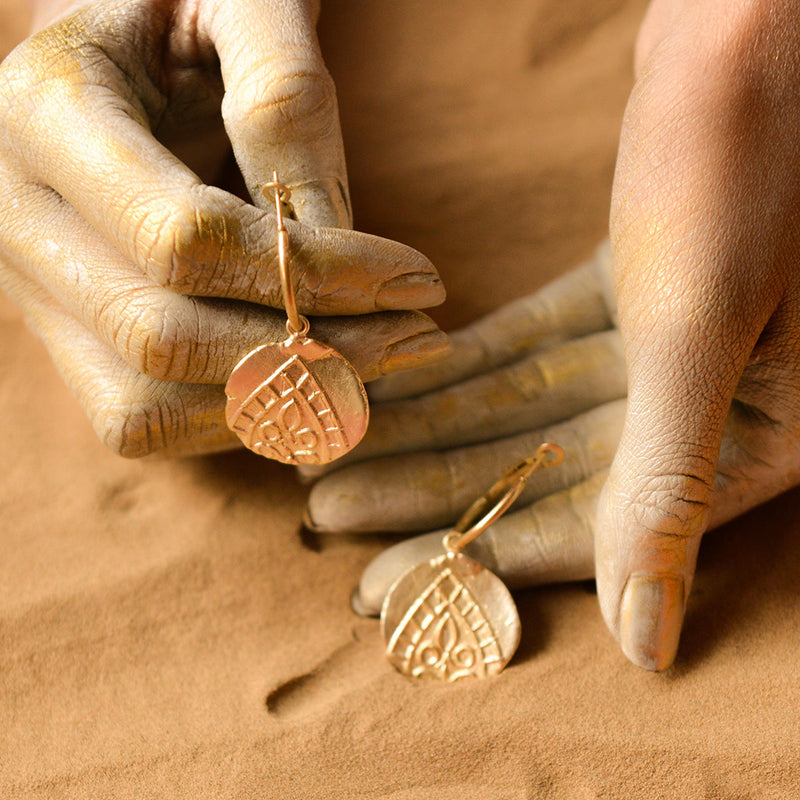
(450, 617)
(297, 401)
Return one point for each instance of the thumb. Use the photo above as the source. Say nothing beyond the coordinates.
(279, 107)
(699, 209)
(683, 369)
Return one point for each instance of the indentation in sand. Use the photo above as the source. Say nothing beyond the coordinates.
(317, 690)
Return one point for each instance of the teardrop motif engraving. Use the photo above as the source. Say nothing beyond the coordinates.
(288, 416)
(449, 618)
(445, 633)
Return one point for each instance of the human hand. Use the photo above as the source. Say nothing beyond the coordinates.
(548, 367)
(707, 280)
(146, 282)
(704, 231)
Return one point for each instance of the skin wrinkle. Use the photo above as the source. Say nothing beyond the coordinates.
(540, 554)
(130, 346)
(776, 391)
(310, 292)
(160, 344)
(198, 340)
(186, 225)
(124, 88)
(560, 555)
(266, 275)
(219, 260)
(220, 241)
(148, 85)
(160, 335)
(148, 259)
(295, 110)
(161, 427)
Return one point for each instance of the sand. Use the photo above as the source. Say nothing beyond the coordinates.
(166, 631)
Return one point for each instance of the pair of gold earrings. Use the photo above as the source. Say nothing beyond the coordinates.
(301, 402)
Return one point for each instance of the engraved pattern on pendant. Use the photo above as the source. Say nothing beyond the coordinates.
(445, 634)
(290, 418)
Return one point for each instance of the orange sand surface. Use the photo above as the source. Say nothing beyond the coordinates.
(167, 632)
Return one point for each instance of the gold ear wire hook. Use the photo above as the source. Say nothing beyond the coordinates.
(500, 497)
(296, 324)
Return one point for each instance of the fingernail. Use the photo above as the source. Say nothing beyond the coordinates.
(359, 606)
(310, 473)
(308, 522)
(422, 348)
(651, 615)
(412, 290)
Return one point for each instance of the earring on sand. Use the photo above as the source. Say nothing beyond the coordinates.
(450, 617)
(297, 401)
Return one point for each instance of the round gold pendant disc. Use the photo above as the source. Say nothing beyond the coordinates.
(297, 401)
(449, 618)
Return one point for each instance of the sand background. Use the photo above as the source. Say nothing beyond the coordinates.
(167, 632)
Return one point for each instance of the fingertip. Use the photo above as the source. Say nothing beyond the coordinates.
(415, 351)
(420, 289)
(412, 281)
(351, 272)
(359, 606)
(337, 505)
(389, 565)
(642, 579)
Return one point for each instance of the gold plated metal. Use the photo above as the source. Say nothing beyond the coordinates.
(450, 617)
(297, 401)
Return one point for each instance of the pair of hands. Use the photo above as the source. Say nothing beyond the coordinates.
(147, 284)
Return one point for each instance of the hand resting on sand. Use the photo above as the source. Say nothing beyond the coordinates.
(145, 281)
(705, 231)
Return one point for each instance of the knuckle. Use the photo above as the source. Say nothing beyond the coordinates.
(299, 104)
(134, 427)
(171, 249)
(158, 338)
(671, 504)
(195, 248)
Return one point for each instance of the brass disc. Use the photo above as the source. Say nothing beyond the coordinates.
(449, 618)
(297, 401)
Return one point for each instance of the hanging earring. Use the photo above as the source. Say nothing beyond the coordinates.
(297, 401)
(450, 617)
